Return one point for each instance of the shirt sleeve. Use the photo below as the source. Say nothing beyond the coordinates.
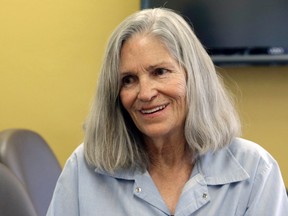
(268, 196)
(65, 196)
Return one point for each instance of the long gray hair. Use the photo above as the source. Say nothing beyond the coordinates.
(112, 142)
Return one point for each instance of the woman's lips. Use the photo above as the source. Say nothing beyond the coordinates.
(153, 110)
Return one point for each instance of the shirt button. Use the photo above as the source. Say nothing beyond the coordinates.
(138, 189)
(204, 195)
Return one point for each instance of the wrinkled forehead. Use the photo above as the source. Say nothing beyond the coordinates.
(145, 52)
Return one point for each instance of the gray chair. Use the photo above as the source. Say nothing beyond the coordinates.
(29, 157)
(14, 199)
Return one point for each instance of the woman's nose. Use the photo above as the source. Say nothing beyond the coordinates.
(147, 90)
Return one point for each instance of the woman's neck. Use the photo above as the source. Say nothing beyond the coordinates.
(170, 167)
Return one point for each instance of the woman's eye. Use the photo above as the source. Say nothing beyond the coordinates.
(160, 71)
(127, 80)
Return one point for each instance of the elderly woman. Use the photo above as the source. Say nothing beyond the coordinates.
(161, 135)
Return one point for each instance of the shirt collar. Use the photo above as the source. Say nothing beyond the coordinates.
(221, 167)
(218, 168)
(120, 174)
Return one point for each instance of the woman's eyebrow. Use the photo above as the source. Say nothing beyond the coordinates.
(159, 65)
(125, 73)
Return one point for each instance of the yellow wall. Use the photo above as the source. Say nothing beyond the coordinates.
(262, 100)
(50, 54)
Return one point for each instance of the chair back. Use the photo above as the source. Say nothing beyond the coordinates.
(13, 196)
(30, 158)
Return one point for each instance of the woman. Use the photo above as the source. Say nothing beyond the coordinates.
(161, 135)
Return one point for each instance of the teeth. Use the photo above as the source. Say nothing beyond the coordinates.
(153, 110)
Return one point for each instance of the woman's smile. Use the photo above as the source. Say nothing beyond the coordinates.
(154, 109)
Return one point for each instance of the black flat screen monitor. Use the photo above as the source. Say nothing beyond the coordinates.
(236, 31)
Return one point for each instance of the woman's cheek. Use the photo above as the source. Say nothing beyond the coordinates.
(126, 98)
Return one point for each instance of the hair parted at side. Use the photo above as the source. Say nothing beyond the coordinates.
(112, 142)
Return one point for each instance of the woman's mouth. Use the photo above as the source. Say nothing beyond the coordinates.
(152, 110)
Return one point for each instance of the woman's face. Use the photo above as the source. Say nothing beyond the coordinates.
(153, 87)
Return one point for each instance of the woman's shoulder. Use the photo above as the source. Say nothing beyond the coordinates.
(246, 150)
(79, 150)
(252, 157)
(240, 160)
(77, 155)
(77, 162)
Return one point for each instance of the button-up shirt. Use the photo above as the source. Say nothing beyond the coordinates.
(240, 179)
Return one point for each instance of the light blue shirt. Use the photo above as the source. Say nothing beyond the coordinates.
(241, 179)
